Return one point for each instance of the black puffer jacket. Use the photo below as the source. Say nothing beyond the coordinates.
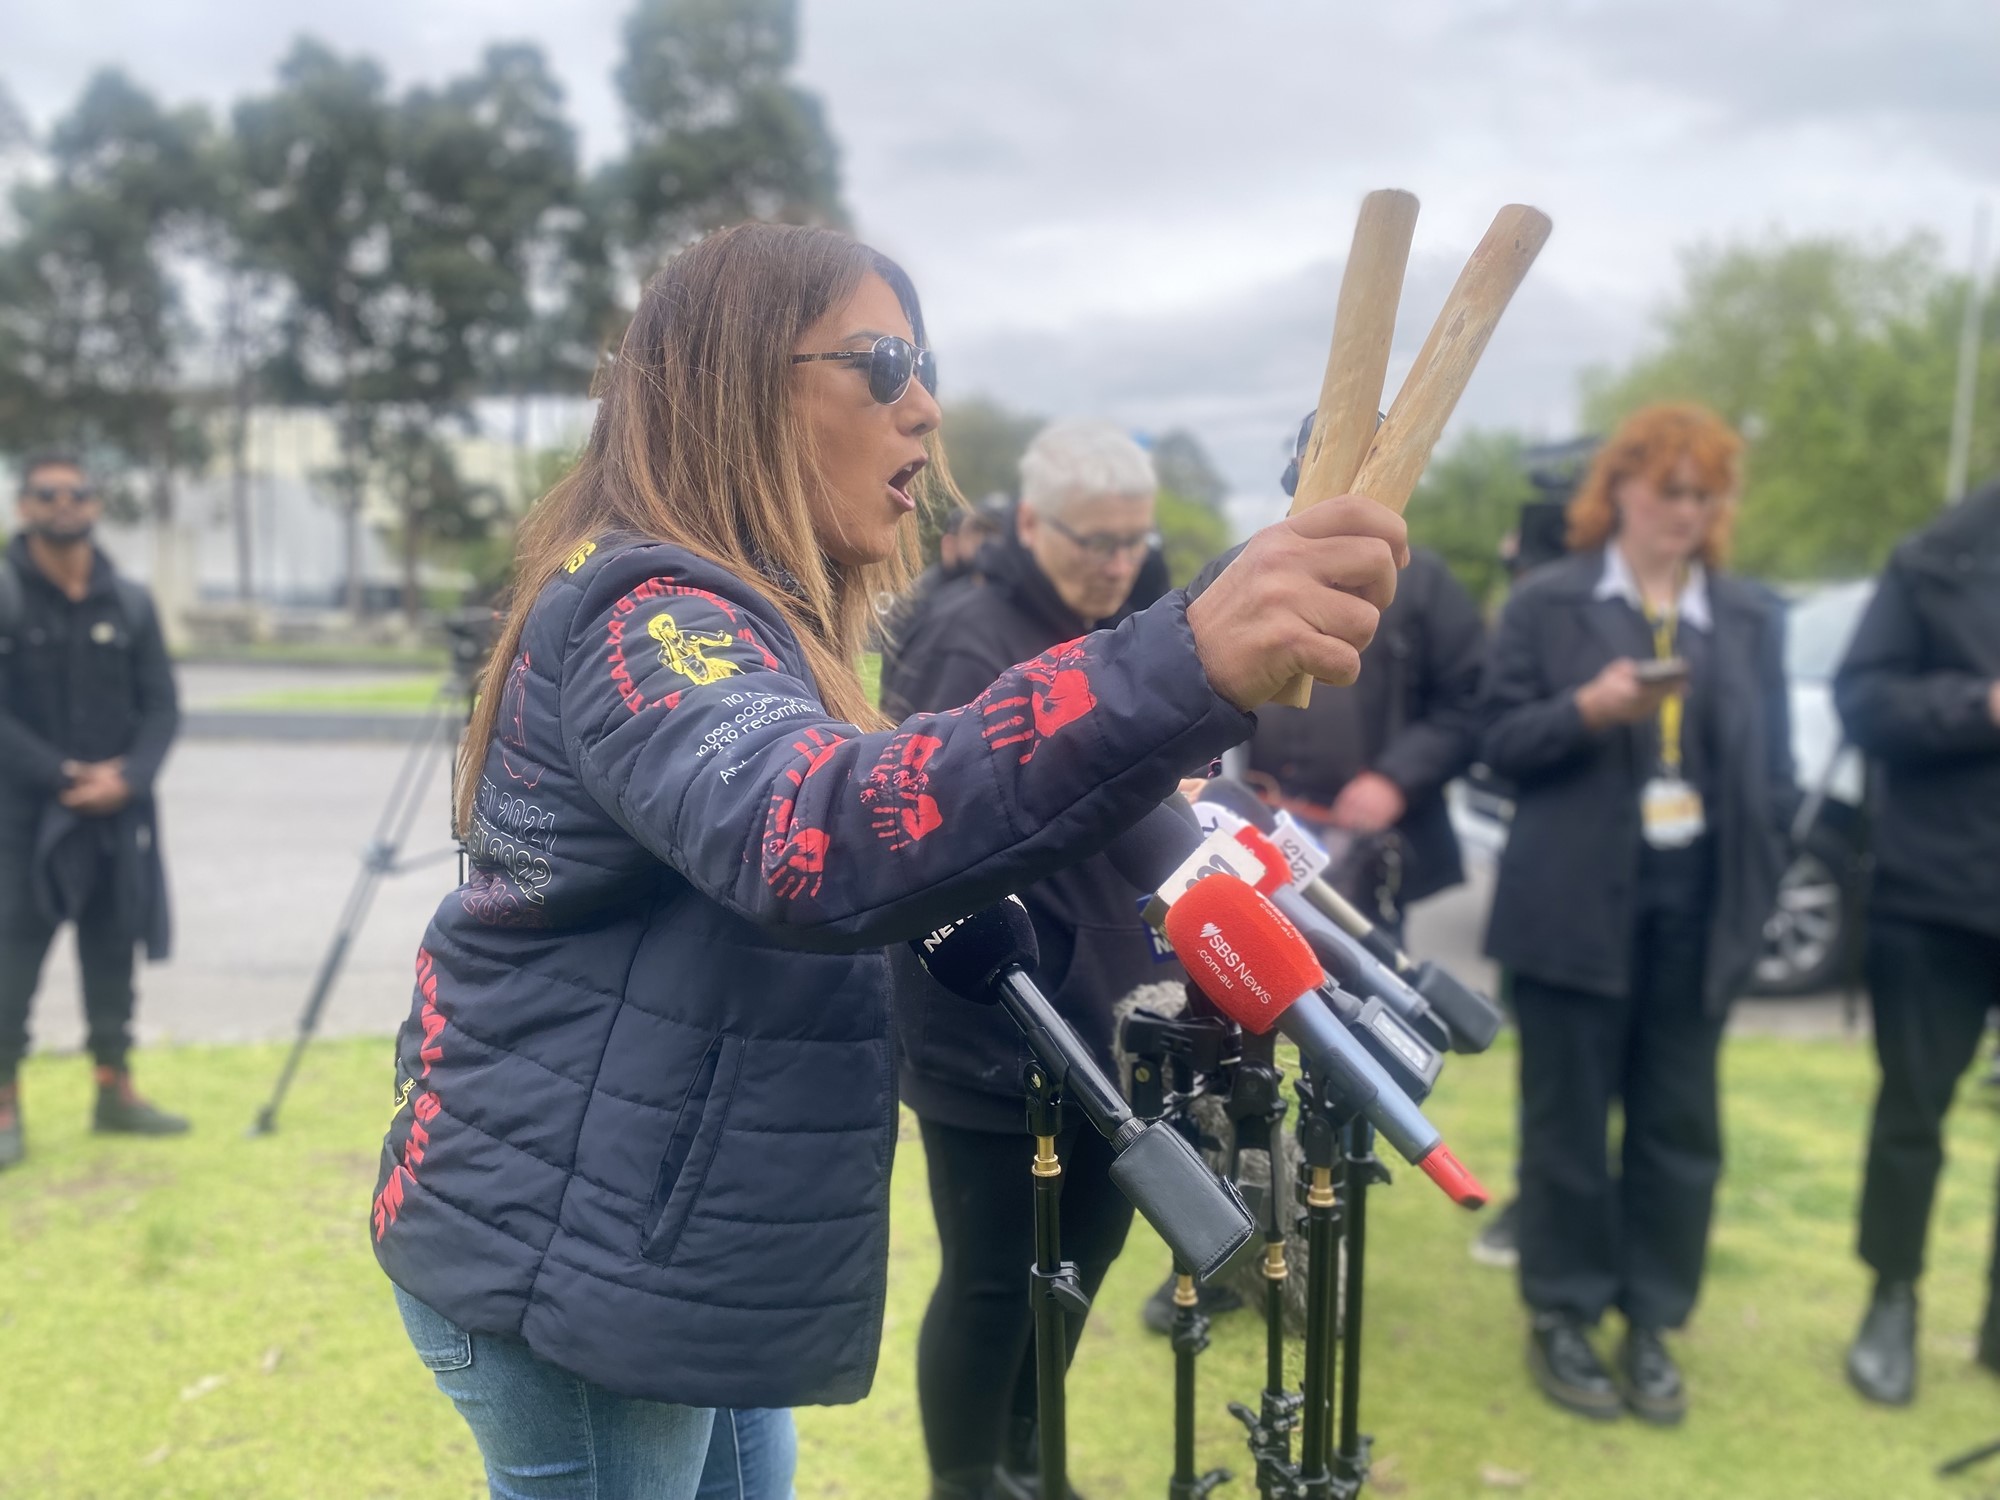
(1914, 693)
(645, 1098)
(960, 1064)
(1566, 899)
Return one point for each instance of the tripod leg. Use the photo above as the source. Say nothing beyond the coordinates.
(1322, 1249)
(1051, 1328)
(1360, 1167)
(392, 828)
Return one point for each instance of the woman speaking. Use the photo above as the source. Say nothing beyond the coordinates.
(1636, 698)
(639, 1168)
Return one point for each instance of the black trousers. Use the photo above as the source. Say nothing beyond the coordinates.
(105, 953)
(975, 1354)
(1635, 1240)
(1932, 988)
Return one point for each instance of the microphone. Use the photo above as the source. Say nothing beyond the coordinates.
(1347, 961)
(1166, 850)
(1471, 1020)
(1260, 973)
(984, 958)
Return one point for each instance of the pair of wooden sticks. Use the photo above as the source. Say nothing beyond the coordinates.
(1347, 452)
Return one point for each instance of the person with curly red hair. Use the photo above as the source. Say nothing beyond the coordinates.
(1635, 696)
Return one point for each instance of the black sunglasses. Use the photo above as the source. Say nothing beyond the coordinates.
(890, 363)
(49, 494)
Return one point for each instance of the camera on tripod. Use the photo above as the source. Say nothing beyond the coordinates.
(469, 634)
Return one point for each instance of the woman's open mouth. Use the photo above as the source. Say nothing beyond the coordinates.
(902, 479)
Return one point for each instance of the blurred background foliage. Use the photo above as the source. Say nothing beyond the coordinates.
(390, 256)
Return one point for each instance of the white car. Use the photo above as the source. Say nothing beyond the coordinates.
(1806, 940)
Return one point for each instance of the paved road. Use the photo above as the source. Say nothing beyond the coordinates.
(264, 842)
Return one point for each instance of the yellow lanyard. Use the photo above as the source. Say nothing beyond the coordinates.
(1664, 626)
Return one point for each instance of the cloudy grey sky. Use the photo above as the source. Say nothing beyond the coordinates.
(1138, 208)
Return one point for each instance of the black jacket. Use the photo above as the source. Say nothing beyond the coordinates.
(908, 621)
(82, 680)
(1913, 693)
(960, 1064)
(1564, 910)
(1412, 717)
(646, 1105)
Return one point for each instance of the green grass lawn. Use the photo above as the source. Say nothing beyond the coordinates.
(412, 695)
(202, 1317)
(324, 653)
(415, 694)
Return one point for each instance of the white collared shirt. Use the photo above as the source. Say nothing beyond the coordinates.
(1618, 583)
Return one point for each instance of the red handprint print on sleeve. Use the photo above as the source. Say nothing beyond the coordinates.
(1058, 694)
(795, 853)
(898, 791)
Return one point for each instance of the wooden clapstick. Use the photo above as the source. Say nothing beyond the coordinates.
(1350, 393)
(1402, 445)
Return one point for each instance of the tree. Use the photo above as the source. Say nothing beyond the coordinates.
(717, 131)
(1183, 466)
(1469, 499)
(483, 191)
(434, 502)
(1191, 533)
(315, 158)
(91, 317)
(1836, 363)
(984, 442)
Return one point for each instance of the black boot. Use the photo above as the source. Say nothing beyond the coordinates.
(12, 1146)
(1882, 1361)
(120, 1111)
(1216, 1299)
(1652, 1380)
(1018, 1476)
(1568, 1370)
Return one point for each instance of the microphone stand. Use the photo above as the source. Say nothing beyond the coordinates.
(1318, 1134)
(1340, 1161)
(1174, 1062)
(1362, 1168)
(1257, 1108)
(1054, 1289)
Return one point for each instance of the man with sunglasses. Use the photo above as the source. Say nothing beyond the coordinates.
(87, 711)
(1082, 533)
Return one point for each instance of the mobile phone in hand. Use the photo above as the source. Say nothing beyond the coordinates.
(1673, 672)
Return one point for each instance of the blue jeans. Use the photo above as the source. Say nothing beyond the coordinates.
(546, 1434)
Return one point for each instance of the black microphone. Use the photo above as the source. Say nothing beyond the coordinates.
(1148, 852)
(1470, 1019)
(983, 958)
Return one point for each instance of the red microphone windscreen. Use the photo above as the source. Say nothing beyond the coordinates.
(1241, 950)
(1277, 869)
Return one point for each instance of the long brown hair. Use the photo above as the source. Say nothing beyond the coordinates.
(698, 442)
(1650, 443)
